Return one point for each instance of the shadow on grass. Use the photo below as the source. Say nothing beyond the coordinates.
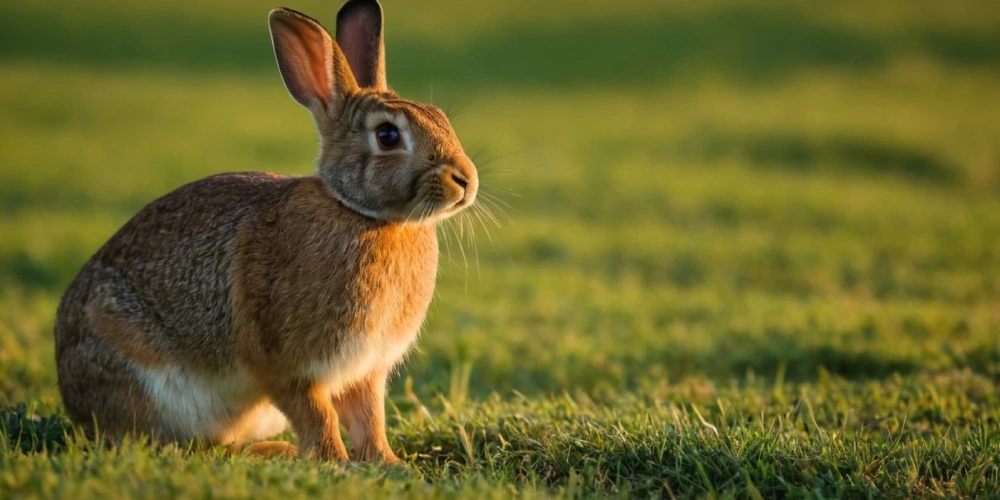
(741, 43)
(610, 374)
(793, 152)
(798, 152)
(31, 273)
(793, 356)
(15, 198)
(22, 429)
(781, 357)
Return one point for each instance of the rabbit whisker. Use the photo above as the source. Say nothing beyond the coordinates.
(480, 152)
(488, 189)
(477, 211)
(450, 111)
(495, 158)
(496, 220)
(498, 204)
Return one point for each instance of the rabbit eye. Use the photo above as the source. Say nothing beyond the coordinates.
(388, 137)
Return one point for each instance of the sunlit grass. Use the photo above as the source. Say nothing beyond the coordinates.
(757, 256)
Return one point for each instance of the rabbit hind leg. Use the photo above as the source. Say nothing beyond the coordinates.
(102, 394)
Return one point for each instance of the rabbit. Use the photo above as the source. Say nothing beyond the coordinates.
(244, 303)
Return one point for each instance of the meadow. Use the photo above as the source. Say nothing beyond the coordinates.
(740, 249)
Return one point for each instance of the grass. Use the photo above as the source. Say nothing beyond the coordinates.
(750, 249)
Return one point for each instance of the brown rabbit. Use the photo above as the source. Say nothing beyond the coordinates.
(242, 303)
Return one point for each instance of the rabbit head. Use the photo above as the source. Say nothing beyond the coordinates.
(381, 156)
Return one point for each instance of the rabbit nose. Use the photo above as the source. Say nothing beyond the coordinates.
(460, 179)
(462, 172)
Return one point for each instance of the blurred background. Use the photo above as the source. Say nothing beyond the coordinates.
(698, 192)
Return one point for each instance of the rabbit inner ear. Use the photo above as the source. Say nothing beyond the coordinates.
(359, 35)
(310, 64)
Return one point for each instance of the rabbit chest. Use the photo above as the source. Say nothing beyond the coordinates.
(334, 305)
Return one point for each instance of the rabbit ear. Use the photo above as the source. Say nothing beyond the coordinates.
(359, 35)
(313, 68)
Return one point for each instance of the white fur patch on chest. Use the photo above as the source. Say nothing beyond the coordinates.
(212, 407)
(359, 355)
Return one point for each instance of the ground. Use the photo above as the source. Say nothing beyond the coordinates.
(740, 249)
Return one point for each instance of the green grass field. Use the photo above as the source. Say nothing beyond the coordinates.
(745, 249)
